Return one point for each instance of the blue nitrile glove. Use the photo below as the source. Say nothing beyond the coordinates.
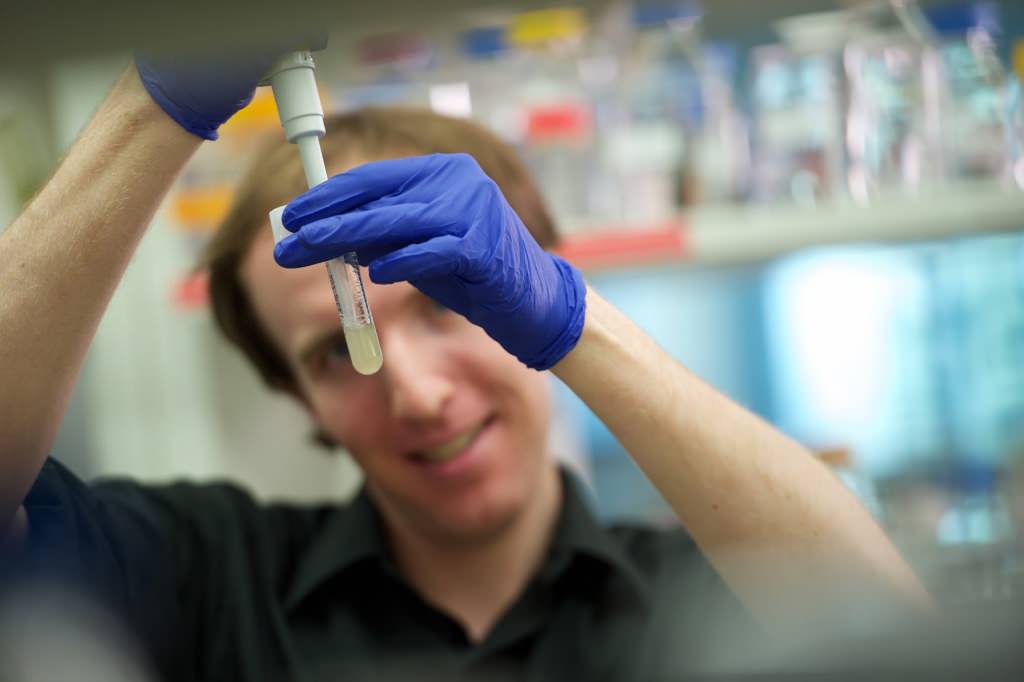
(441, 224)
(201, 92)
(202, 95)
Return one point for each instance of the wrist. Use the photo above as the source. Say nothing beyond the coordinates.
(134, 108)
(572, 301)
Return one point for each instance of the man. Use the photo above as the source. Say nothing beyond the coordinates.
(469, 553)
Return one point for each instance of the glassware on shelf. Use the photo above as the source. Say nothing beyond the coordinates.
(974, 91)
(889, 146)
(1015, 108)
(383, 69)
(723, 155)
(553, 117)
(652, 113)
(800, 106)
(486, 66)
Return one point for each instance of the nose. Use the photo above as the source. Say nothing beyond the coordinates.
(417, 390)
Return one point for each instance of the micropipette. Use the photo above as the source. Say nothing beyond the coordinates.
(293, 82)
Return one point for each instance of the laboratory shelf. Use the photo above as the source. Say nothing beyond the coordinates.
(734, 235)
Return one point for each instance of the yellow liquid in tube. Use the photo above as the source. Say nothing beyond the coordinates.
(364, 348)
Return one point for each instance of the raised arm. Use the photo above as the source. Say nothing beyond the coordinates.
(794, 544)
(786, 535)
(60, 262)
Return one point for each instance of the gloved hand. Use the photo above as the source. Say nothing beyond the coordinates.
(202, 92)
(201, 96)
(441, 224)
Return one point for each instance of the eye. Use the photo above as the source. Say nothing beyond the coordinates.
(331, 359)
(337, 350)
(336, 361)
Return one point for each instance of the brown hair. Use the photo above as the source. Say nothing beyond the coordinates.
(275, 177)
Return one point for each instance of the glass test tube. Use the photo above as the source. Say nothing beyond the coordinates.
(346, 280)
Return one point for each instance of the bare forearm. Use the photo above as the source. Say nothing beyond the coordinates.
(781, 529)
(61, 260)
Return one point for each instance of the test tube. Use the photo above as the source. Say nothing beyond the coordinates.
(293, 82)
(346, 279)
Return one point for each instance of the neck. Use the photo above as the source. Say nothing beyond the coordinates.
(475, 582)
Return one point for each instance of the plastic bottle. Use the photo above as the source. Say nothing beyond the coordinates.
(554, 122)
(489, 75)
(889, 146)
(973, 90)
(799, 94)
(655, 114)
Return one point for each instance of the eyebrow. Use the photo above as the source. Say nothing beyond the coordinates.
(320, 343)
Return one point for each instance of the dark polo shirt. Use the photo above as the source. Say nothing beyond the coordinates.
(216, 586)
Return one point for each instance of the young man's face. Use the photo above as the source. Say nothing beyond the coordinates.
(450, 433)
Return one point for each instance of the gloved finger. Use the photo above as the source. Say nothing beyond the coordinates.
(371, 227)
(370, 233)
(438, 257)
(354, 188)
(291, 252)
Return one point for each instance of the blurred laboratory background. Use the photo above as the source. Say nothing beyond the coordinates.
(817, 206)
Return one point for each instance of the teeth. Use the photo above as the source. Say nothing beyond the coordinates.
(448, 450)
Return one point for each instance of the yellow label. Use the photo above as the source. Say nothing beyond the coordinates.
(258, 116)
(201, 208)
(547, 25)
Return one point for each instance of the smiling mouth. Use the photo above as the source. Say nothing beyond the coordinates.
(446, 451)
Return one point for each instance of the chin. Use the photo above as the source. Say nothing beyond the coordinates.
(476, 520)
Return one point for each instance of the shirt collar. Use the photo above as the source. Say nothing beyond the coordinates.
(354, 533)
(351, 535)
(579, 532)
